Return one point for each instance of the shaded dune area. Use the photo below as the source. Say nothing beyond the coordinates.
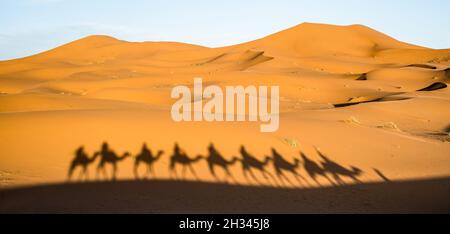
(165, 196)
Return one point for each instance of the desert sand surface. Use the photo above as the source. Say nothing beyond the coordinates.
(356, 106)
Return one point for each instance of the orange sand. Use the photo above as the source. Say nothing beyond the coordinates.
(102, 89)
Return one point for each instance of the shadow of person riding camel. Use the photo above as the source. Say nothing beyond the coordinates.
(329, 167)
(146, 156)
(333, 172)
(82, 160)
(215, 159)
(108, 156)
(180, 157)
(337, 171)
(281, 165)
(314, 170)
(249, 162)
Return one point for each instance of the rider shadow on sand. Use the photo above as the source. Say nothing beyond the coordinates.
(281, 165)
(314, 170)
(108, 156)
(180, 157)
(249, 162)
(81, 160)
(333, 172)
(146, 156)
(337, 171)
(215, 159)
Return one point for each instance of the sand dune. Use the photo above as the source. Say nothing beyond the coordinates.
(354, 92)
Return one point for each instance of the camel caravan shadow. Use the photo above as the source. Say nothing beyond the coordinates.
(107, 156)
(253, 169)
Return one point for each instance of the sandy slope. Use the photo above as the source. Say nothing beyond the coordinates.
(102, 89)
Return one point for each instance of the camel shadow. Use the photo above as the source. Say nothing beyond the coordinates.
(81, 160)
(180, 157)
(249, 162)
(338, 171)
(281, 165)
(314, 170)
(146, 157)
(108, 156)
(215, 159)
(285, 170)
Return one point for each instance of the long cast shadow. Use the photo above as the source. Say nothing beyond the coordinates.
(180, 157)
(314, 170)
(381, 175)
(82, 160)
(337, 171)
(249, 162)
(327, 168)
(215, 159)
(108, 156)
(281, 165)
(146, 156)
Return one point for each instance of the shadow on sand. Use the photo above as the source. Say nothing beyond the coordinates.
(168, 196)
(347, 193)
(252, 167)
